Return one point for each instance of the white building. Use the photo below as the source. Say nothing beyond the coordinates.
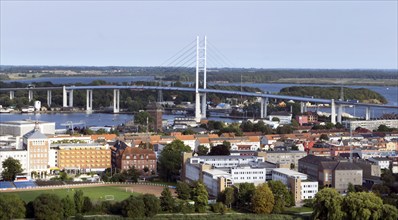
(226, 161)
(218, 172)
(284, 117)
(22, 127)
(371, 124)
(248, 174)
(21, 155)
(297, 182)
(383, 163)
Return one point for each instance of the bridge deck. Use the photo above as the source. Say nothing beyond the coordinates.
(187, 89)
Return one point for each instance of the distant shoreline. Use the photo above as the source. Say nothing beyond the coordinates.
(314, 81)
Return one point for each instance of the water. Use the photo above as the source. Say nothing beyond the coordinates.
(100, 119)
(97, 119)
(84, 119)
(390, 93)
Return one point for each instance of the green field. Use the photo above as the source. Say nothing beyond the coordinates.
(95, 193)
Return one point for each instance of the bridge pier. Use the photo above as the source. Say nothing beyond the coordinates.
(65, 95)
(12, 95)
(339, 113)
(30, 95)
(204, 105)
(333, 112)
(367, 113)
(71, 98)
(116, 101)
(301, 107)
(263, 107)
(89, 100)
(49, 97)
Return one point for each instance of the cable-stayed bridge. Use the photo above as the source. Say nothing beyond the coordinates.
(196, 54)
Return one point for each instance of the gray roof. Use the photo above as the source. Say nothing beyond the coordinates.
(35, 134)
(347, 166)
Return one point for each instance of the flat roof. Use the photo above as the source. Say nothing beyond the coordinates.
(25, 122)
(289, 172)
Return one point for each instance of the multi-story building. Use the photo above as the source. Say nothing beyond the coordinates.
(331, 173)
(38, 147)
(307, 117)
(370, 124)
(138, 158)
(298, 183)
(124, 157)
(20, 155)
(285, 157)
(218, 172)
(83, 157)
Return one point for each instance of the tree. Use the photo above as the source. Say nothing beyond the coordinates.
(229, 196)
(133, 207)
(262, 200)
(166, 200)
(11, 206)
(219, 207)
(47, 206)
(285, 129)
(389, 212)
(281, 195)
(363, 205)
(219, 150)
(276, 119)
(245, 194)
(87, 205)
(202, 150)
(170, 160)
(200, 197)
(383, 128)
(11, 167)
(188, 132)
(327, 205)
(141, 118)
(69, 206)
(183, 190)
(380, 189)
(132, 174)
(351, 188)
(324, 137)
(79, 200)
(152, 205)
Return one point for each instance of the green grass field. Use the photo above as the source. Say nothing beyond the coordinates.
(95, 193)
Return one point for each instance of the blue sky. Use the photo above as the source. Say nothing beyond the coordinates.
(260, 34)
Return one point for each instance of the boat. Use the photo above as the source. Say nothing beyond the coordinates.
(28, 109)
(6, 110)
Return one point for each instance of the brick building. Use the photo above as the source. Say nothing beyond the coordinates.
(124, 157)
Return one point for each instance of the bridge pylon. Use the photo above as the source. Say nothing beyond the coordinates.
(201, 66)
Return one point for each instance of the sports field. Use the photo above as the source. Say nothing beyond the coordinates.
(96, 193)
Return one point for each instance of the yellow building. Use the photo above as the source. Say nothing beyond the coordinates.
(84, 157)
